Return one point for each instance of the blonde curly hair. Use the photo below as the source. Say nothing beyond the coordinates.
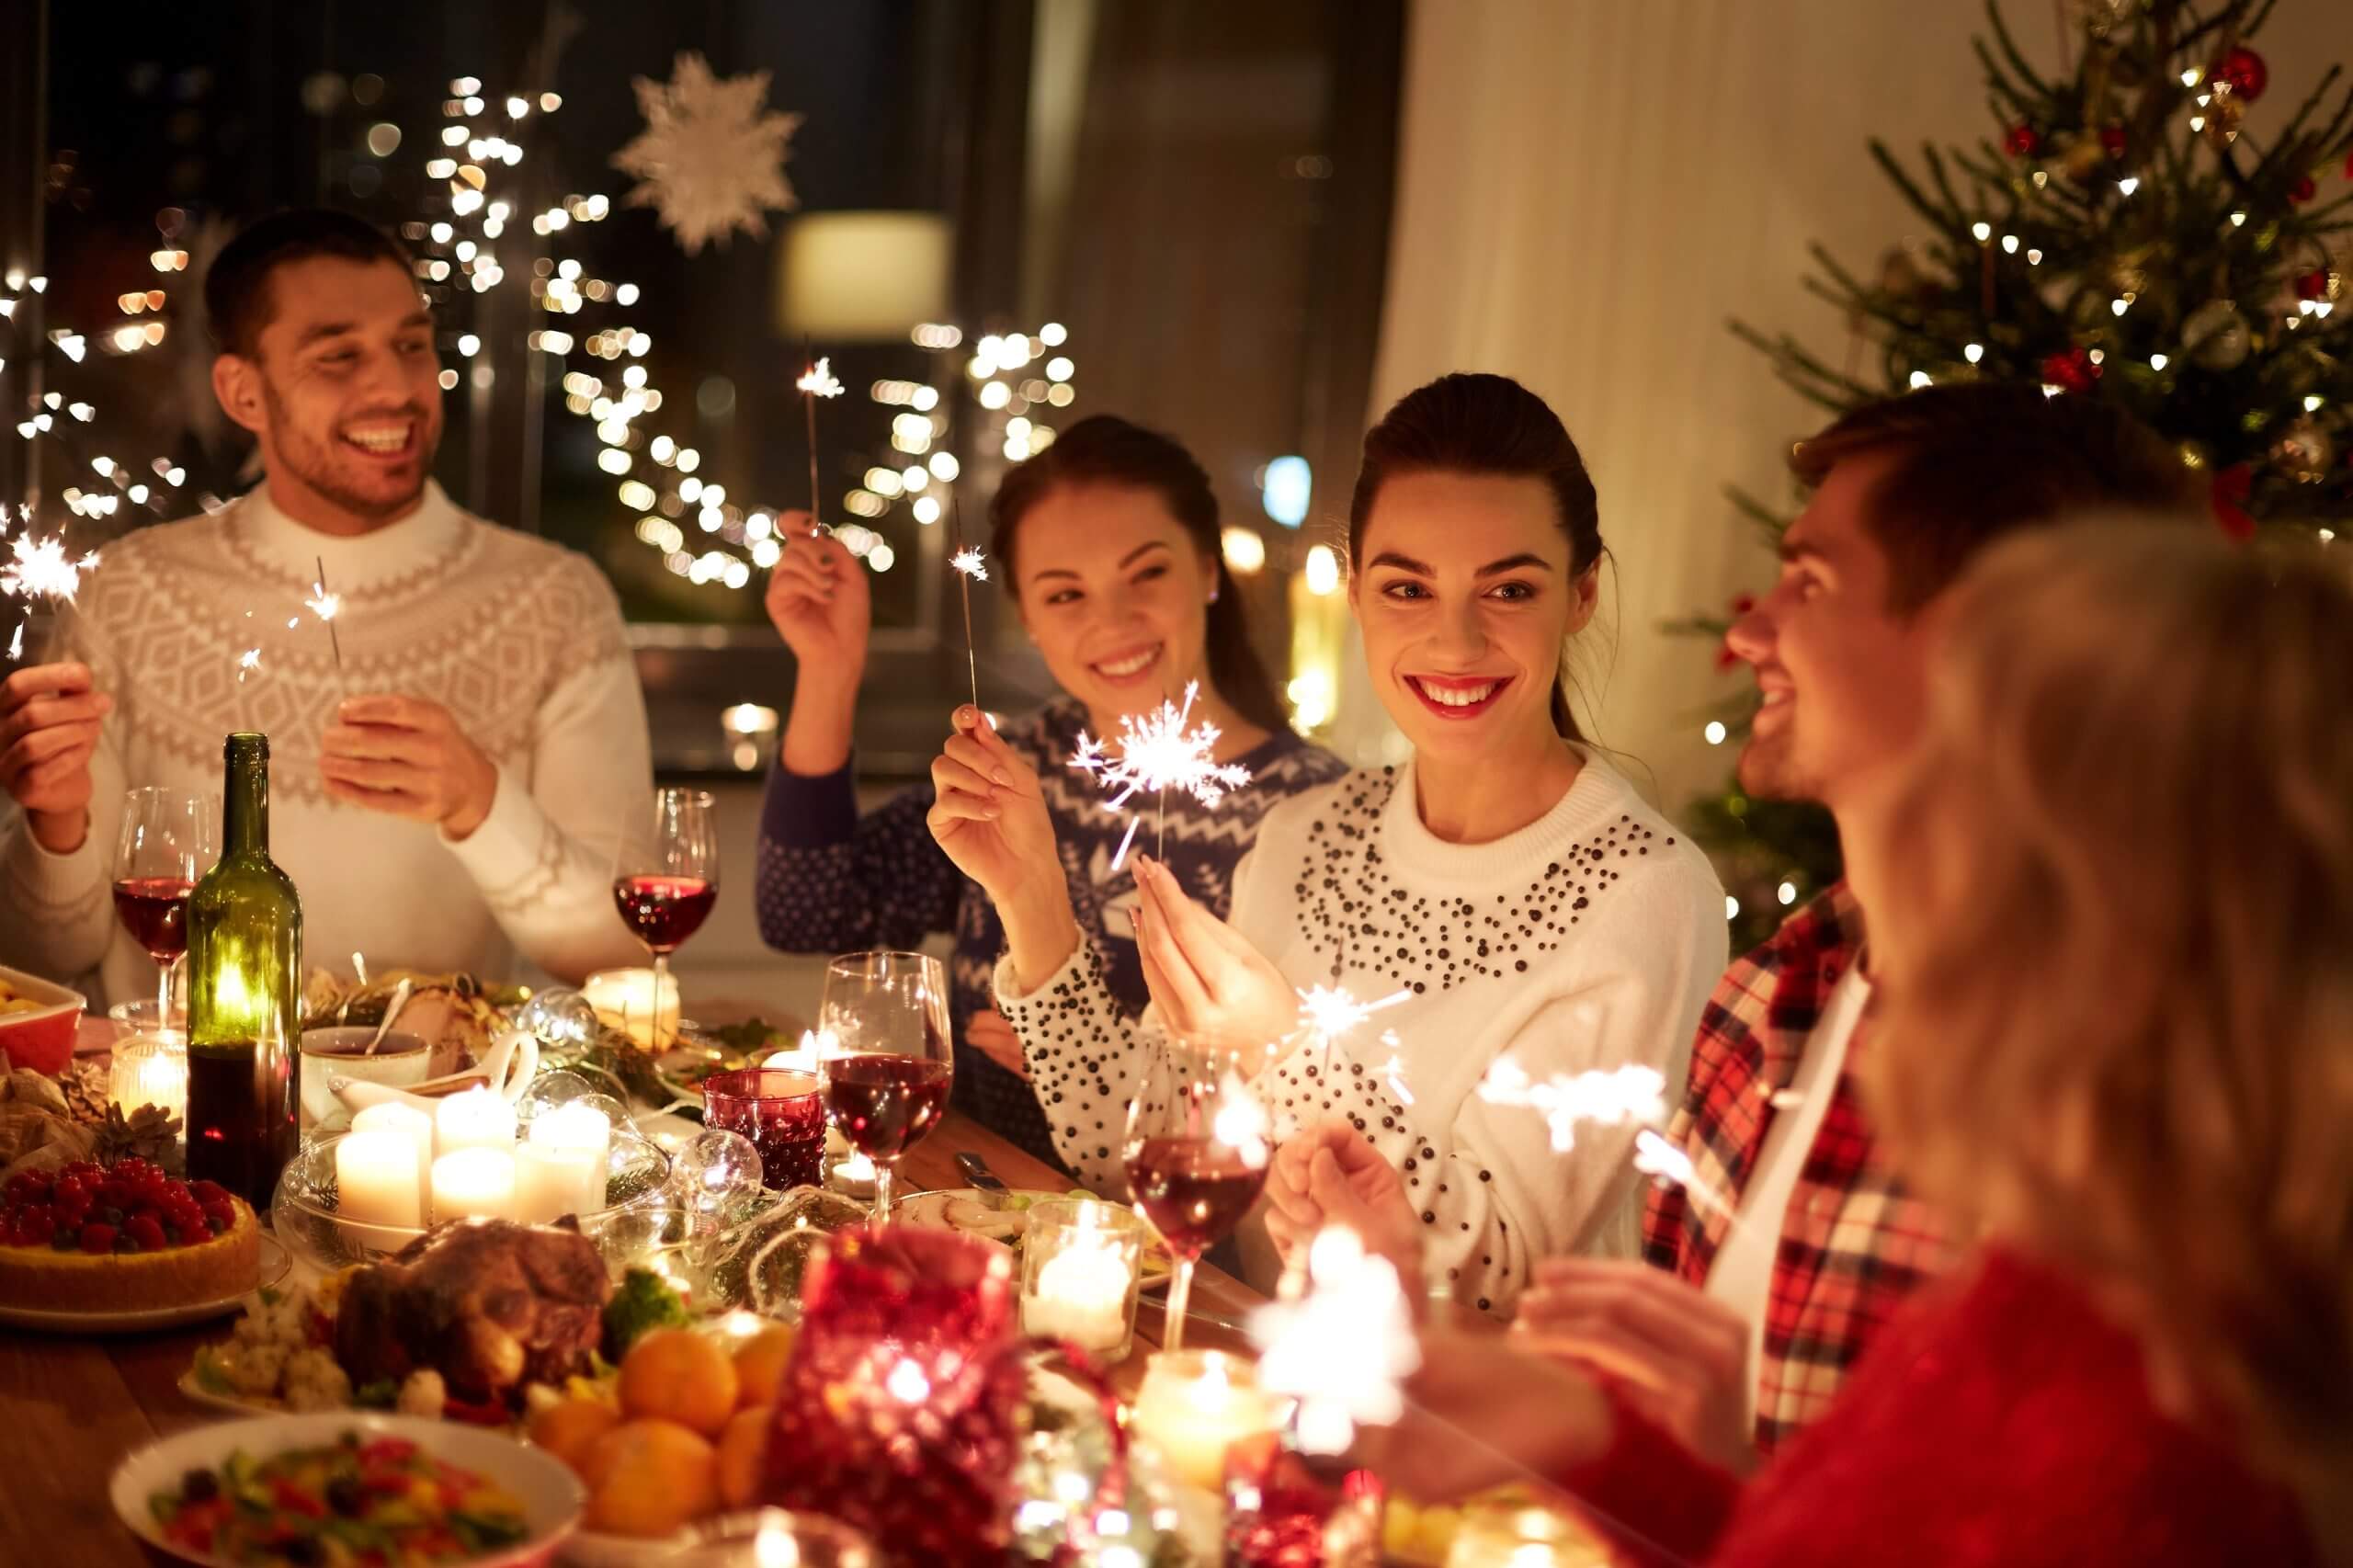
(2115, 948)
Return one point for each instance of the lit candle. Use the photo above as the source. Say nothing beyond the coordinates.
(475, 1119)
(1193, 1406)
(376, 1178)
(561, 1168)
(1079, 1288)
(417, 1128)
(474, 1181)
(627, 1000)
(150, 1071)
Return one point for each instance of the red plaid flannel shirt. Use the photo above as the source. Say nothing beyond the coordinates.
(1854, 1242)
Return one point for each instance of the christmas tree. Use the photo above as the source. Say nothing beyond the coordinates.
(2138, 229)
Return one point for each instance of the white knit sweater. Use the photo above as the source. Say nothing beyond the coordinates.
(1587, 939)
(519, 638)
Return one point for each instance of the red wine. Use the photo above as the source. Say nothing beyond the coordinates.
(883, 1104)
(155, 911)
(665, 911)
(1194, 1191)
(241, 1109)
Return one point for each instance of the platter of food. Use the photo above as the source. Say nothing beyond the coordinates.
(1007, 1222)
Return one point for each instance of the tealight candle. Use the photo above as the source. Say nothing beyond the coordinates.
(149, 1070)
(475, 1119)
(417, 1128)
(1080, 1263)
(376, 1178)
(1195, 1404)
(474, 1181)
(630, 1001)
(560, 1169)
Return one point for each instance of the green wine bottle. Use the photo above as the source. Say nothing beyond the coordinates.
(245, 966)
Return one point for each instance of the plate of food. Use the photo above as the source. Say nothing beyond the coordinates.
(701, 1054)
(1007, 1222)
(333, 1487)
(87, 1248)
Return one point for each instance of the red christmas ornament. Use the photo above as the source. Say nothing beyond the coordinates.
(2303, 190)
(2071, 371)
(2244, 71)
(2111, 140)
(2021, 142)
(2232, 486)
(2312, 285)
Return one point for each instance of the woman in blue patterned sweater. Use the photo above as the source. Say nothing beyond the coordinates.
(1108, 542)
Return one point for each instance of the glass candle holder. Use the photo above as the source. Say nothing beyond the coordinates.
(771, 1538)
(1513, 1531)
(1194, 1405)
(781, 1112)
(1082, 1262)
(149, 1070)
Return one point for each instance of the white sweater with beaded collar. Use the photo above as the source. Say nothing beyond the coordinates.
(1587, 939)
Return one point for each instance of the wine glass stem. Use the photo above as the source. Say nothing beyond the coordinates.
(884, 1170)
(163, 993)
(661, 983)
(1180, 1291)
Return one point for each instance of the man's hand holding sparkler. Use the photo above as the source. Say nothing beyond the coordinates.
(1329, 1174)
(49, 716)
(1205, 978)
(1681, 1356)
(990, 816)
(408, 758)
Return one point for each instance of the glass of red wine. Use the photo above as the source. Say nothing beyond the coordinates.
(665, 888)
(1197, 1150)
(168, 840)
(884, 1057)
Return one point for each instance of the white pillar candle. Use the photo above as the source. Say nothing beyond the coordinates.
(417, 1128)
(474, 1181)
(561, 1168)
(1193, 1406)
(1081, 1294)
(376, 1179)
(475, 1119)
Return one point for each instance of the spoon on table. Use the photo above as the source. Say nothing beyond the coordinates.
(391, 1010)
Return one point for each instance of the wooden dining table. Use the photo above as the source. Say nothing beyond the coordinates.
(73, 1406)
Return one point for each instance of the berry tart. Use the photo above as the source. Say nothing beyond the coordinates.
(122, 1238)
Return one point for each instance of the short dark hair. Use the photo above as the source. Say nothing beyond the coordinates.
(237, 287)
(1104, 448)
(1976, 461)
(1476, 423)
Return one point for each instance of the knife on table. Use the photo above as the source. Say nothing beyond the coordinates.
(986, 1182)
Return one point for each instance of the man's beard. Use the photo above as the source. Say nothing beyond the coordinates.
(313, 463)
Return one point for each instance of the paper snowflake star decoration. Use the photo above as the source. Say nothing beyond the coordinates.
(1159, 752)
(40, 569)
(1344, 1347)
(818, 379)
(968, 563)
(710, 159)
(1604, 1097)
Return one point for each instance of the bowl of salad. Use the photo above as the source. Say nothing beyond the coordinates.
(347, 1490)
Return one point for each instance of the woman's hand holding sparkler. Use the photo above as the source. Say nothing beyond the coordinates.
(49, 716)
(1681, 1358)
(1329, 1174)
(990, 818)
(1208, 981)
(819, 602)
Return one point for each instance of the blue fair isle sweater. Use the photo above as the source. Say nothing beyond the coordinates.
(830, 881)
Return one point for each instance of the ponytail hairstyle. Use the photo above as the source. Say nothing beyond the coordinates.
(1104, 448)
(1489, 425)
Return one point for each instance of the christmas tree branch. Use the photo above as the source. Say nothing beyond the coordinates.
(2022, 107)
(2289, 149)
(2019, 67)
(1951, 220)
(1770, 523)
(1800, 371)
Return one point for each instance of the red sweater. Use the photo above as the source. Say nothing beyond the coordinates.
(1999, 1423)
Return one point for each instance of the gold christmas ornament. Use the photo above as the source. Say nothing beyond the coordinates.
(2216, 336)
(2304, 451)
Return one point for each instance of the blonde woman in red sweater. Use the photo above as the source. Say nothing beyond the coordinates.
(2126, 895)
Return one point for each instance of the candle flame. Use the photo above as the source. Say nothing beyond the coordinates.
(1344, 1347)
(818, 379)
(1605, 1098)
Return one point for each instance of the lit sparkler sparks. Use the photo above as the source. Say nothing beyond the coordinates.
(1332, 1013)
(327, 607)
(40, 569)
(1659, 1158)
(1344, 1348)
(1159, 754)
(247, 663)
(970, 563)
(818, 379)
(816, 382)
(1604, 1097)
(16, 643)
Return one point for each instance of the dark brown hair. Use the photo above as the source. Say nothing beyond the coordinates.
(1493, 426)
(1104, 448)
(1975, 461)
(237, 287)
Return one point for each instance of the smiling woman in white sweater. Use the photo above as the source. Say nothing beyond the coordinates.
(1506, 878)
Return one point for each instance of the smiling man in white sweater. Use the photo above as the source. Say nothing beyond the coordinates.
(457, 790)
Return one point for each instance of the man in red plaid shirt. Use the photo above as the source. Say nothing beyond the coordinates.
(1741, 1330)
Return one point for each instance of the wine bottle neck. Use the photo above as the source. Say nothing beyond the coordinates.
(245, 797)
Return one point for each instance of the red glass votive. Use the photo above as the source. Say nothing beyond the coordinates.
(781, 1112)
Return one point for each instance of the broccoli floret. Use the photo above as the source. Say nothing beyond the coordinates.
(646, 1301)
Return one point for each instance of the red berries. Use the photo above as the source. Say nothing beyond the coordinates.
(97, 1238)
(130, 1207)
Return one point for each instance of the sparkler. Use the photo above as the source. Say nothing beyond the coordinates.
(39, 569)
(816, 382)
(1159, 754)
(247, 663)
(326, 605)
(1657, 1157)
(969, 566)
(1344, 1347)
(1605, 1098)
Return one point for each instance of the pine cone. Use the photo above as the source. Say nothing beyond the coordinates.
(150, 1132)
